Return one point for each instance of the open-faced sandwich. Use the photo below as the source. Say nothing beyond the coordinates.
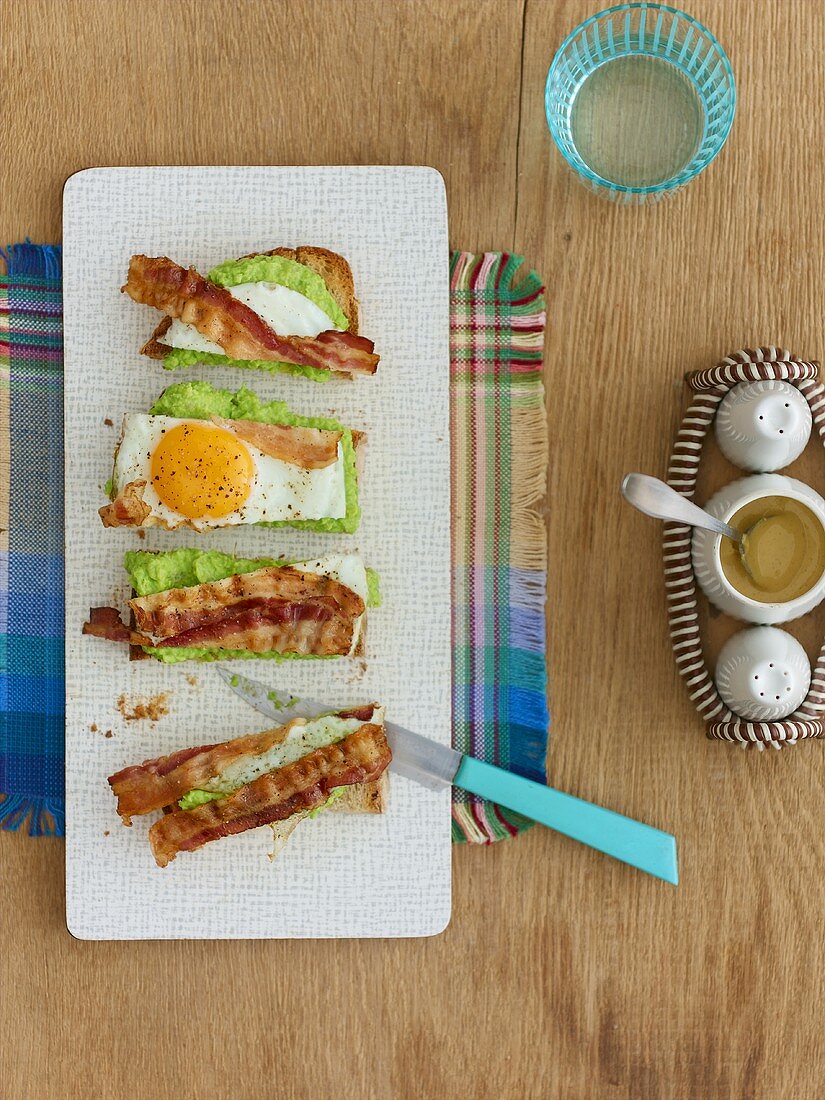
(204, 457)
(279, 777)
(290, 310)
(208, 606)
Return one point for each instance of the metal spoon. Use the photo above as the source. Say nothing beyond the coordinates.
(656, 499)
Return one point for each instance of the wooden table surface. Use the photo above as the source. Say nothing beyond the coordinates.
(562, 974)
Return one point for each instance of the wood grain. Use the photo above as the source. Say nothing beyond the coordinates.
(562, 974)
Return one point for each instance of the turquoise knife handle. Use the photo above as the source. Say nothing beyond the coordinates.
(621, 837)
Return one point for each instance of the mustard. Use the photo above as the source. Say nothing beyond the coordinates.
(782, 554)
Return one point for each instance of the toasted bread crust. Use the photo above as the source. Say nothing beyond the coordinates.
(333, 269)
(364, 798)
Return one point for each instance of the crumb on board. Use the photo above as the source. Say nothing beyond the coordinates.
(139, 709)
(358, 671)
(192, 680)
(108, 422)
(105, 832)
(108, 733)
(93, 727)
(141, 533)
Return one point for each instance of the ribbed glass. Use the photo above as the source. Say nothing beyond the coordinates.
(650, 30)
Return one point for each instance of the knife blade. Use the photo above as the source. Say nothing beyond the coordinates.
(438, 766)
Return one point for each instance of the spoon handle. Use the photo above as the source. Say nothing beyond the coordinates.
(655, 498)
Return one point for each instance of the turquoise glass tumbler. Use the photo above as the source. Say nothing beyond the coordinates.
(639, 99)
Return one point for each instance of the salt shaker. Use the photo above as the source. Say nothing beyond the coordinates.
(763, 674)
(763, 426)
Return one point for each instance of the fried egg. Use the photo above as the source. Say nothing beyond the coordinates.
(200, 475)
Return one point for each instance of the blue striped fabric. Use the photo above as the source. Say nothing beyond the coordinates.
(31, 568)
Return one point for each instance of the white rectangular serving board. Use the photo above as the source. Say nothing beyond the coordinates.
(339, 875)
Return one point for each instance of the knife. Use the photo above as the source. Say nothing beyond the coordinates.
(438, 766)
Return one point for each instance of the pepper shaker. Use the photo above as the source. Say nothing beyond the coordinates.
(763, 426)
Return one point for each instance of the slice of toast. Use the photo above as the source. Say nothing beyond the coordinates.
(137, 653)
(333, 269)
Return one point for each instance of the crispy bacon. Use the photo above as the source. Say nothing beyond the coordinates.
(220, 317)
(359, 758)
(311, 448)
(177, 609)
(105, 622)
(256, 624)
(276, 609)
(156, 784)
(128, 509)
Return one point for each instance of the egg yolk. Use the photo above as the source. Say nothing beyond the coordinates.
(200, 471)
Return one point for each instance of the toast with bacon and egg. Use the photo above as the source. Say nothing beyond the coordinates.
(291, 310)
(205, 605)
(277, 778)
(204, 458)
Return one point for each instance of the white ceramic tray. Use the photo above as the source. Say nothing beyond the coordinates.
(338, 876)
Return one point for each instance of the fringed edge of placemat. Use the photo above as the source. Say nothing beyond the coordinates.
(496, 276)
(38, 262)
(44, 816)
(35, 261)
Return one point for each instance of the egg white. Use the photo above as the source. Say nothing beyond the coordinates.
(348, 569)
(280, 490)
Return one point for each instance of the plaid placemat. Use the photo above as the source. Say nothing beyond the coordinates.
(31, 550)
(499, 470)
(499, 441)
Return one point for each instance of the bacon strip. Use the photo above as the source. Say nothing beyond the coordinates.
(166, 613)
(156, 784)
(273, 610)
(311, 448)
(263, 621)
(276, 609)
(128, 509)
(303, 785)
(159, 282)
(105, 622)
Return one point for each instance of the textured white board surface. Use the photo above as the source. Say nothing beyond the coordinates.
(339, 875)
